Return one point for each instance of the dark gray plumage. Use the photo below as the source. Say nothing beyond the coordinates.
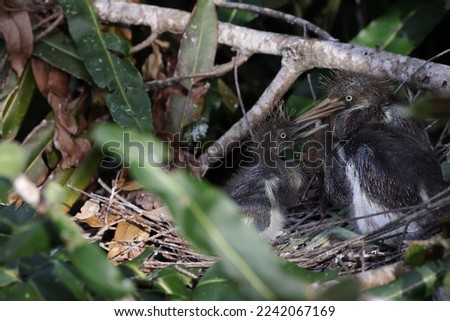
(388, 160)
(271, 180)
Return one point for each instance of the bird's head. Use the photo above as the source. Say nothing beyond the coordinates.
(279, 136)
(353, 100)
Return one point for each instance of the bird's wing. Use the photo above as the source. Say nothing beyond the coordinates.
(381, 182)
(394, 166)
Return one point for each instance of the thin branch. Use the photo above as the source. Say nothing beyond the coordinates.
(423, 65)
(218, 71)
(144, 44)
(292, 67)
(238, 92)
(291, 19)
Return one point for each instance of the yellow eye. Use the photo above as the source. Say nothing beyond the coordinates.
(349, 98)
(283, 135)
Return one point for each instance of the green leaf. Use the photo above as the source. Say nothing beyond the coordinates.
(20, 292)
(97, 272)
(199, 43)
(8, 276)
(11, 218)
(17, 104)
(173, 283)
(12, 160)
(214, 286)
(416, 284)
(35, 146)
(446, 282)
(403, 27)
(131, 268)
(196, 55)
(76, 179)
(127, 99)
(447, 4)
(56, 281)
(38, 235)
(115, 43)
(59, 51)
(212, 223)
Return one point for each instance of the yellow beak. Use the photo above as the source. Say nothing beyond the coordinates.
(325, 108)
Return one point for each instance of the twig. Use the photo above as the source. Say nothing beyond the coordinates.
(144, 44)
(420, 67)
(218, 70)
(59, 17)
(291, 19)
(239, 96)
(292, 67)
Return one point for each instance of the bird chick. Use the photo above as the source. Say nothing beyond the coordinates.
(271, 181)
(385, 160)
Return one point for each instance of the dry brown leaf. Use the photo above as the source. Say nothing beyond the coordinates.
(125, 239)
(15, 28)
(89, 209)
(90, 213)
(126, 186)
(127, 232)
(54, 85)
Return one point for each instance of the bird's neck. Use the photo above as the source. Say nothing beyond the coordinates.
(348, 124)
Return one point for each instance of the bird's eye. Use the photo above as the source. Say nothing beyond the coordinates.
(349, 98)
(283, 135)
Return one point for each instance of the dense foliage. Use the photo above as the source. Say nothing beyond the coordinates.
(80, 87)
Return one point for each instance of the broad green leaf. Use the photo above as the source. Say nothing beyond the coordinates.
(59, 51)
(8, 276)
(199, 43)
(5, 188)
(89, 260)
(228, 97)
(11, 218)
(416, 284)
(173, 283)
(20, 292)
(214, 286)
(12, 160)
(447, 4)
(77, 178)
(130, 269)
(57, 281)
(38, 235)
(9, 81)
(16, 105)
(116, 44)
(35, 146)
(127, 99)
(403, 27)
(212, 223)
(197, 53)
(446, 282)
(98, 273)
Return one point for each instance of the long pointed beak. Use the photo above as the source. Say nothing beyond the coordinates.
(301, 131)
(325, 108)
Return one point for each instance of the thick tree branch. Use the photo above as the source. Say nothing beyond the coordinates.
(322, 54)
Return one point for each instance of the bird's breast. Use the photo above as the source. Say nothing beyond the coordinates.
(365, 208)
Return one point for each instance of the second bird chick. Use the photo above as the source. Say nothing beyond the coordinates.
(270, 182)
